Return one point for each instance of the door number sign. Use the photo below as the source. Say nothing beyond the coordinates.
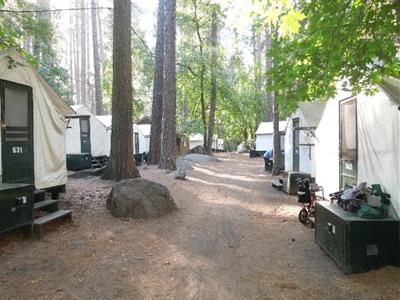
(17, 150)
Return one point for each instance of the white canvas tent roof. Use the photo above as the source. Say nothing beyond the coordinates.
(105, 120)
(268, 127)
(391, 87)
(49, 122)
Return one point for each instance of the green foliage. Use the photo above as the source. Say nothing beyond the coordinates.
(17, 28)
(354, 42)
(240, 104)
(139, 98)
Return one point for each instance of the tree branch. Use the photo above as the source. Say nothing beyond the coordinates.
(152, 54)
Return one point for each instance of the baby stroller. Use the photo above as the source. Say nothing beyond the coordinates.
(307, 198)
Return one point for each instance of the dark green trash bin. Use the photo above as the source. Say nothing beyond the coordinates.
(76, 162)
(356, 244)
(268, 165)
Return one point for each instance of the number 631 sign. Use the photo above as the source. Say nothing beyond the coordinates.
(17, 150)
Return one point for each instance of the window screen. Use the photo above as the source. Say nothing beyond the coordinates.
(348, 125)
(84, 126)
(16, 108)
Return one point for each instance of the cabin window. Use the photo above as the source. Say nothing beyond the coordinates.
(16, 108)
(348, 130)
(16, 114)
(84, 126)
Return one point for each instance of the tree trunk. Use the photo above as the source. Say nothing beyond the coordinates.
(277, 139)
(96, 62)
(89, 87)
(71, 52)
(101, 45)
(158, 90)
(203, 104)
(83, 46)
(121, 164)
(202, 74)
(168, 148)
(77, 57)
(268, 65)
(185, 110)
(213, 98)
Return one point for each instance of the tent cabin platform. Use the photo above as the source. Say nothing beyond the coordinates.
(23, 206)
(32, 144)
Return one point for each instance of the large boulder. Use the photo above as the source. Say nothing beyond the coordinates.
(181, 166)
(140, 199)
(195, 158)
(198, 150)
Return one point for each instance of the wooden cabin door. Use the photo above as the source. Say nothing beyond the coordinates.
(85, 135)
(348, 142)
(16, 133)
(296, 146)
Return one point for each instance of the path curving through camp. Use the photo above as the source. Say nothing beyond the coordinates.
(234, 237)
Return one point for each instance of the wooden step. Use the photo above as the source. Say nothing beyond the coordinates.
(53, 216)
(40, 222)
(39, 195)
(44, 203)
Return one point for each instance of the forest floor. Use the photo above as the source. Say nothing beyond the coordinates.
(234, 237)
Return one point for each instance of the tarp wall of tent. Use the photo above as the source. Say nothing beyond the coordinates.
(309, 115)
(142, 131)
(379, 144)
(145, 130)
(73, 137)
(49, 122)
(265, 138)
(378, 130)
(197, 140)
(327, 145)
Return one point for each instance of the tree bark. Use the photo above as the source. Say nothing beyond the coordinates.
(89, 87)
(277, 139)
(121, 164)
(96, 62)
(213, 98)
(168, 148)
(77, 58)
(158, 90)
(185, 110)
(268, 65)
(71, 51)
(83, 77)
(101, 45)
(202, 74)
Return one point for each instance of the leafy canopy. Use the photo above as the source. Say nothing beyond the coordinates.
(318, 43)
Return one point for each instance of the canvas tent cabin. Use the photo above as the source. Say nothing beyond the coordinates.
(87, 138)
(141, 135)
(300, 137)
(359, 140)
(141, 140)
(197, 140)
(265, 135)
(33, 148)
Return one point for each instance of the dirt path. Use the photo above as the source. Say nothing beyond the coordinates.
(234, 237)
